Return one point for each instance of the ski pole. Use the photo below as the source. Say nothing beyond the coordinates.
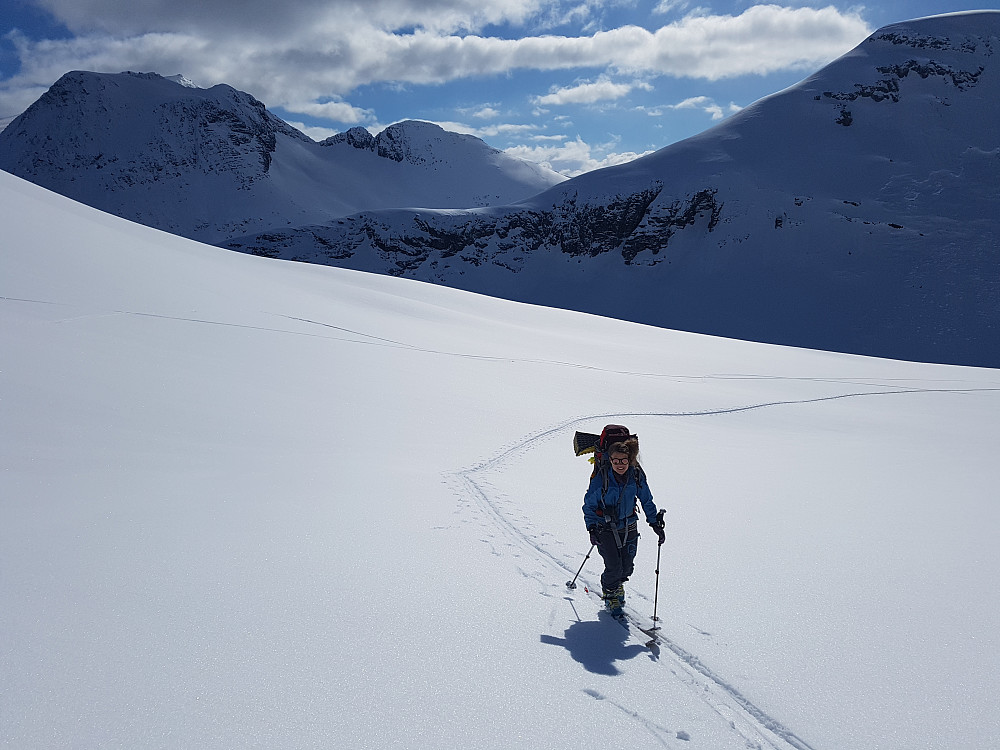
(656, 595)
(572, 584)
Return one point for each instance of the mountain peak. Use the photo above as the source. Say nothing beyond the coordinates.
(182, 80)
(357, 137)
(415, 142)
(214, 163)
(130, 129)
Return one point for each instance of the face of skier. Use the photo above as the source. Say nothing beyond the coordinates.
(619, 462)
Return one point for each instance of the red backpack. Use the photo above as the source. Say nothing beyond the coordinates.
(585, 442)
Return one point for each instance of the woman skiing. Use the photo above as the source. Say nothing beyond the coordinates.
(611, 515)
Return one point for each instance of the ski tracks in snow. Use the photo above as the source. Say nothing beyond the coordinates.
(757, 728)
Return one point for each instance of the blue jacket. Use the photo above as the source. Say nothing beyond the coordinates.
(619, 501)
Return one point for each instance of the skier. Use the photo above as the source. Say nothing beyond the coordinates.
(609, 510)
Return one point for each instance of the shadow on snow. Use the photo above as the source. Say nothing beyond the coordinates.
(597, 644)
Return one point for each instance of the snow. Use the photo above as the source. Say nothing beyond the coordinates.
(254, 503)
(183, 80)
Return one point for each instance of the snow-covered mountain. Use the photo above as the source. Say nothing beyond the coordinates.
(214, 163)
(856, 211)
(247, 503)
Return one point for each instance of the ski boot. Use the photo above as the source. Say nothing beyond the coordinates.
(614, 600)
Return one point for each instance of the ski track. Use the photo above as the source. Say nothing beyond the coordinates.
(759, 730)
(756, 726)
(368, 339)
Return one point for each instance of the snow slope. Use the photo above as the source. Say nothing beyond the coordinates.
(251, 503)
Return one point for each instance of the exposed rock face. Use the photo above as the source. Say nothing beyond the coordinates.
(573, 228)
(79, 126)
(357, 137)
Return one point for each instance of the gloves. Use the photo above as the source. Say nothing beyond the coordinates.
(660, 536)
(658, 527)
(593, 535)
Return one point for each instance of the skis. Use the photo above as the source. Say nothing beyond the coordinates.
(652, 632)
(631, 622)
(628, 622)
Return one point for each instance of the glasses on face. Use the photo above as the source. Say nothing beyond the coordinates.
(619, 461)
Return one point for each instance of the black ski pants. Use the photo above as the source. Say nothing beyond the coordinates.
(618, 561)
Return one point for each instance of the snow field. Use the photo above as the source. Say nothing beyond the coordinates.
(262, 504)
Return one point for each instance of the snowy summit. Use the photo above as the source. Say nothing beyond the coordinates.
(211, 164)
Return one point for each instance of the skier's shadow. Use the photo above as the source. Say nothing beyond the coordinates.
(597, 644)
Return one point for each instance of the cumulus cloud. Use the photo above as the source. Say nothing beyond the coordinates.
(489, 131)
(308, 57)
(486, 113)
(589, 92)
(254, 18)
(573, 157)
(704, 103)
(669, 6)
(304, 50)
(314, 132)
(337, 111)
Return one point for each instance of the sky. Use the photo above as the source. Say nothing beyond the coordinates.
(574, 85)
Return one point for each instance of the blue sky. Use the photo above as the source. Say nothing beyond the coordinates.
(576, 85)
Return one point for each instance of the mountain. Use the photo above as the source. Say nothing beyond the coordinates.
(213, 163)
(255, 504)
(856, 211)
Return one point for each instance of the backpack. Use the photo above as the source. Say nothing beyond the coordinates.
(585, 442)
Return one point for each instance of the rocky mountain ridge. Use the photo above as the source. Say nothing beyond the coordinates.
(214, 163)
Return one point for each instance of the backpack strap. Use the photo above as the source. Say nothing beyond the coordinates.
(640, 476)
(605, 468)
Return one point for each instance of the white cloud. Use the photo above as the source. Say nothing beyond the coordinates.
(316, 133)
(266, 18)
(337, 111)
(763, 39)
(669, 6)
(307, 57)
(573, 158)
(589, 92)
(703, 103)
(489, 131)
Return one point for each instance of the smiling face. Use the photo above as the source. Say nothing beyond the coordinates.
(619, 462)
